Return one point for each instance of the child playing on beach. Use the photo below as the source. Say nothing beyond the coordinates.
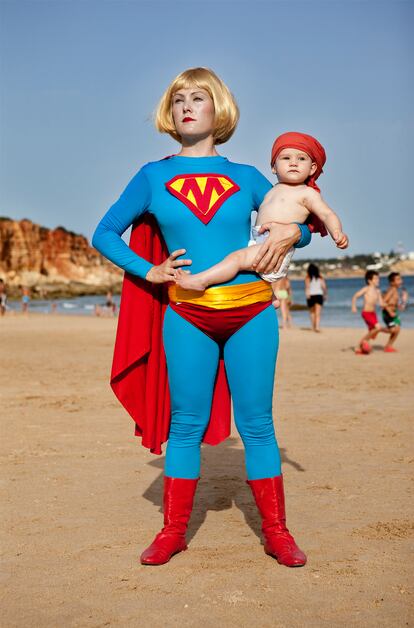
(372, 297)
(297, 160)
(3, 297)
(390, 314)
(25, 299)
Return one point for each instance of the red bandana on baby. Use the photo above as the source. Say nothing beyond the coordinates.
(316, 152)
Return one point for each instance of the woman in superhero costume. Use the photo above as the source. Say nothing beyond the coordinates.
(220, 342)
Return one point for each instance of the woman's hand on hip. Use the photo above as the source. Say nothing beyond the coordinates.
(166, 271)
(281, 239)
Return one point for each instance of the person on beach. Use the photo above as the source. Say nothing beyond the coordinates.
(297, 160)
(372, 297)
(316, 294)
(283, 293)
(108, 308)
(25, 299)
(392, 303)
(200, 203)
(3, 297)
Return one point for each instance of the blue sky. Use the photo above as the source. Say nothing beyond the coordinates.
(80, 80)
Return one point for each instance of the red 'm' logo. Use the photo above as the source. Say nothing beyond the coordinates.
(203, 194)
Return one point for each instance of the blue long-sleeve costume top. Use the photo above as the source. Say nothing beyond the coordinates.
(208, 214)
(204, 205)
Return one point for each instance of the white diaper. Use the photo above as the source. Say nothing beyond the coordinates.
(259, 238)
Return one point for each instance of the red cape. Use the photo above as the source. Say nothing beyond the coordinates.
(139, 371)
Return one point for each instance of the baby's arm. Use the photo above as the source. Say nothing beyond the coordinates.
(356, 296)
(314, 203)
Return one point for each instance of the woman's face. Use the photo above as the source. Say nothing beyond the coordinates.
(193, 113)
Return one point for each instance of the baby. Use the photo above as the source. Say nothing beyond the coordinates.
(297, 161)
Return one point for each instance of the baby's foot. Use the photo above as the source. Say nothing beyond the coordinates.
(189, 282)
(276, 303)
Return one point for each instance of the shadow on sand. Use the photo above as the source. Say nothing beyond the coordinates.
(222, 483)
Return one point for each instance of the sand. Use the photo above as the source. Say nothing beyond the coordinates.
(81, 497)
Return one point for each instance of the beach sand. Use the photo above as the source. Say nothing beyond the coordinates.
(81, 497)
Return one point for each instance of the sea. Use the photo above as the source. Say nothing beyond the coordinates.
(336, 311)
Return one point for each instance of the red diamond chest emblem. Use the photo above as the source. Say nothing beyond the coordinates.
(203, 194)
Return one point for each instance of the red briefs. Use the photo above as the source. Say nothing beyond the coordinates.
(218, 324)
(370, 318)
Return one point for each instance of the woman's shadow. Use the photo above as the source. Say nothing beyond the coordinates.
(222, 482)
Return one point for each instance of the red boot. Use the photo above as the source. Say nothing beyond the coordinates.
(270, 500)
(178, 503)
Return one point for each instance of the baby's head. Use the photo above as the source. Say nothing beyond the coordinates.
(297, 158)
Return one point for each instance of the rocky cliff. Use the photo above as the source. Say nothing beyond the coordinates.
(52, 260)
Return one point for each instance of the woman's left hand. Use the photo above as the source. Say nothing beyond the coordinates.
(281, 239)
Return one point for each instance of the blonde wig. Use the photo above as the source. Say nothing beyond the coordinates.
(225, 107)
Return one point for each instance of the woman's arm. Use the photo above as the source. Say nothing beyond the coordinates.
(307, 284)
(132, 203)
(281, 239)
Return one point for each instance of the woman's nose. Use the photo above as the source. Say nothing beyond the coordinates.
(187, 106)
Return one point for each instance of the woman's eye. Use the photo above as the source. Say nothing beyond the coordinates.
(198, 98)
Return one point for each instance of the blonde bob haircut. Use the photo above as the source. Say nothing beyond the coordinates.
(225, 106)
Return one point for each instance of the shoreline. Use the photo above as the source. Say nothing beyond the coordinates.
(301, 326)
(71, 290)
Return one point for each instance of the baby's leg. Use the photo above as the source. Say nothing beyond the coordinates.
(219, 273)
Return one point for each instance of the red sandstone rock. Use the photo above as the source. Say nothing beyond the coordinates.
(32, 255)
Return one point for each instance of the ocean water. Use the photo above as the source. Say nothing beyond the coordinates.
(336, 311)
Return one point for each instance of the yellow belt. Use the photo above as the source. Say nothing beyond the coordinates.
(223, 297)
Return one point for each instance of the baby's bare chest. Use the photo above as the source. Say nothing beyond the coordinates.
(283, 205)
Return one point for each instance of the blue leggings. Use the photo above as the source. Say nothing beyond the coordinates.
(250, 359)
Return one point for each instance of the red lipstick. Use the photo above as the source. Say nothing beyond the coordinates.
(187, 119)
